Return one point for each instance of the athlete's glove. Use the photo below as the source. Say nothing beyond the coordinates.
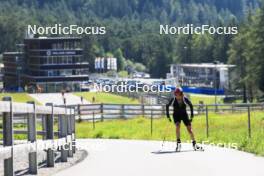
(168, 117)
(191, 119)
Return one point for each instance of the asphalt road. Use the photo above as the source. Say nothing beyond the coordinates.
(144, 158)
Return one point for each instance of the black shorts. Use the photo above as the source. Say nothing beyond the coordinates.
(182, 117)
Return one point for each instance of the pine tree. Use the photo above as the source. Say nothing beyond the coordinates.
(257, 48)
(120, 59)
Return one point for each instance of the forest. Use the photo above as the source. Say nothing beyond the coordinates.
(133, 33)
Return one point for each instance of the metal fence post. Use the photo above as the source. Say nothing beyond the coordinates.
(143, 110)
(151, 122)
(123, 111)
(8, 138)
(207, 121)
(163, 110)
(32, 137)
(102, 112)
(93, 121)
(249, 122)
(63, 134)
(79, 111)
(50, 135)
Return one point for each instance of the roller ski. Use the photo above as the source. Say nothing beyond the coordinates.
(197, 147)
(178, 145)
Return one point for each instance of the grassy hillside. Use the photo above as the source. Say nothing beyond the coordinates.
(18, 97)
(207, 99)
(107, 98)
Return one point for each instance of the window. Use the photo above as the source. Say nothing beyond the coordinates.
(50, 73)
(70, 60)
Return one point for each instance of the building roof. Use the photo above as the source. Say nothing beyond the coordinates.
(12, 53)
(205, 65)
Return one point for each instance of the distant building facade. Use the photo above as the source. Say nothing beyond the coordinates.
(13, 70)
(47, 65)
(204, 75)
(102, 64)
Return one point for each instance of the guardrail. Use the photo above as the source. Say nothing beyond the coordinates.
(101, 112)
(49, 116)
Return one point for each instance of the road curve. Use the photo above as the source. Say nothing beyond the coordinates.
(143, 158)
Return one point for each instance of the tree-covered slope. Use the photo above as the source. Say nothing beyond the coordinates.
(132, 27)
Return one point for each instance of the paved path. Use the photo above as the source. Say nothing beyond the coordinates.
(57, 99)
(142, 158)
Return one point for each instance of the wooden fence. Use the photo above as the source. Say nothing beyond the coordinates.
(49, 116)
(101, 112)
(116, 111)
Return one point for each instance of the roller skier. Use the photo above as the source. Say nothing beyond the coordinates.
(179, 103)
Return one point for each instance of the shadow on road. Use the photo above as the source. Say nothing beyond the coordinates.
(172, 151)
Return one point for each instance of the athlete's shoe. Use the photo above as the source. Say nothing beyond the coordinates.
(178, 145)
(197, 147)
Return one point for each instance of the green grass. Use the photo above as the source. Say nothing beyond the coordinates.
(224, 128)
(207, 99)
(23, 126)
(101, 97)
(18, 97)
(123, 74)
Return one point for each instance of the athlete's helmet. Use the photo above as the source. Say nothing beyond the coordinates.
(178, 91)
